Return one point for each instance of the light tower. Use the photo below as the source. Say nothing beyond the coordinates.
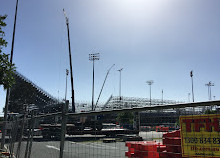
(189, 97)
(120, 82)
(67, 73)
(209, 85)
(93, 57)
(191, 75)
(150, 82)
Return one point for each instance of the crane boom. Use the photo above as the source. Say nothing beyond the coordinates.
(70, 58)
(103, 85)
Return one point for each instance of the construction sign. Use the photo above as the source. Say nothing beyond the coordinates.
(200, 135)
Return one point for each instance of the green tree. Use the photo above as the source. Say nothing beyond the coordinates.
(208, 111)
(6, 68)
(125, 118)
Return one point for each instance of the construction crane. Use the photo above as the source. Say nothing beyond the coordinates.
(70, 58)
(103, 86)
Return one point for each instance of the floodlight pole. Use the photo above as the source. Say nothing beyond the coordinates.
(208, 90)
(93, 57)
(67, 72)
(210, 84)
(189, 97)
(120, 83)
(70, 58)
(150, 82)
(191, 75)
(8, 89)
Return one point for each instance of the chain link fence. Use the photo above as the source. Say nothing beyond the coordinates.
(160, 131)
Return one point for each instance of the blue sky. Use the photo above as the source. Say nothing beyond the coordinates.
(160, 40)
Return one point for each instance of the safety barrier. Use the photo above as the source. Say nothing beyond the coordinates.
(170, 148)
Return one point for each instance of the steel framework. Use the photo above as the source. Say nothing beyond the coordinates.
(26, 92)
(116, 102)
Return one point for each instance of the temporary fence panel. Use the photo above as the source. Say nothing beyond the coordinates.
(174, 131)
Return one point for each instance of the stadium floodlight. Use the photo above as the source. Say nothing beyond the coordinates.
(93, 57)
(191, 75)
(150, 82)
(67, 73)
(209, 85)
(120, 83)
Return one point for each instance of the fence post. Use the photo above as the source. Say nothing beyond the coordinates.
(63, 127)
(28, 138)
(13, 135)
(32, 133)
(22, 130)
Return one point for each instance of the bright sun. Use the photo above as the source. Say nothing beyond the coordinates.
(141, 7)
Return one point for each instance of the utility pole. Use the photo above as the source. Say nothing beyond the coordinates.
(70, 58)
(150, 82)
(8, 89)
(191, 75)
(93, 57)
(120, 83)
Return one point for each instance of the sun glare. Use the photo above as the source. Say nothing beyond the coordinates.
(150, 6)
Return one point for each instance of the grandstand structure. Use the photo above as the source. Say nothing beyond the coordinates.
(116, 102)
(26, 93)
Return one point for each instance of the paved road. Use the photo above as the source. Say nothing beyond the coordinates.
(75, 148)
(89, 149)
(79, 150)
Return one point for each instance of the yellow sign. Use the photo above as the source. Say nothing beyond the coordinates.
(200, 135)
